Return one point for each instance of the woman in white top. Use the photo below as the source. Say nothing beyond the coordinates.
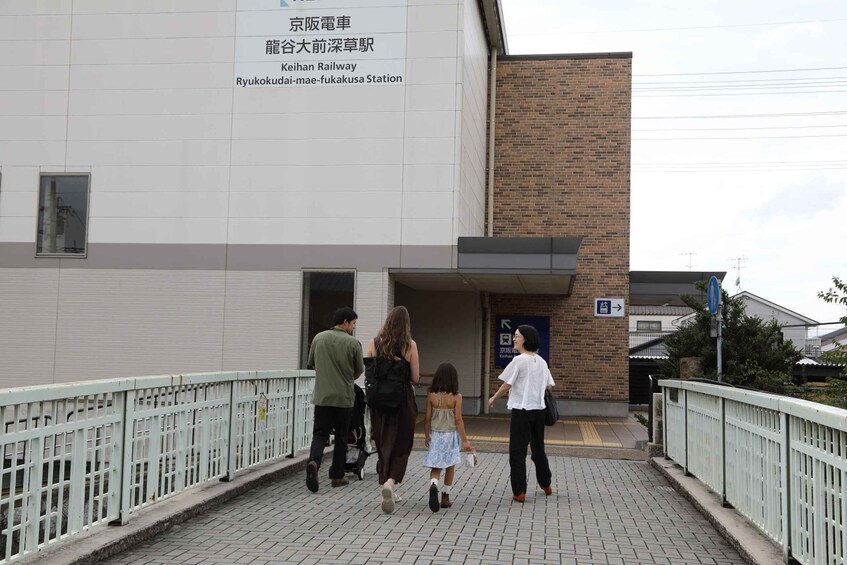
(525, 378)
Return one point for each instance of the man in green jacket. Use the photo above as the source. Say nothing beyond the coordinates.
(336, 357)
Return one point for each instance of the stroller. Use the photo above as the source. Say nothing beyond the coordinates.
(359, 437)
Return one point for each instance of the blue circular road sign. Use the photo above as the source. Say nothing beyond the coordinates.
(713, 296)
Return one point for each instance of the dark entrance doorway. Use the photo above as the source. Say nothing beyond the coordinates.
(323, 293)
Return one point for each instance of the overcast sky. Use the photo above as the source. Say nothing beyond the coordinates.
(779, 203)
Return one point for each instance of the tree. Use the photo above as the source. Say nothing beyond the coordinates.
(753, 353)
(837, 386)
(837, 295)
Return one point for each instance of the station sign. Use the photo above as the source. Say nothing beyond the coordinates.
(504, 332)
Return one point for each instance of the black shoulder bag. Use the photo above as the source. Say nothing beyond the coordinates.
(386, 380)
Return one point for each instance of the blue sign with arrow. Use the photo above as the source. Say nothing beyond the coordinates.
(504, 332)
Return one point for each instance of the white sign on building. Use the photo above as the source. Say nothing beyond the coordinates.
(285, 43)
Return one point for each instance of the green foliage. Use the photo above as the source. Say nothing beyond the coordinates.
(753, 353)
(837, 386)
(836, 390)
(836, 295)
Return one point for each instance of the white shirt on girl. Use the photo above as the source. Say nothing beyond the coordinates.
(528, 375)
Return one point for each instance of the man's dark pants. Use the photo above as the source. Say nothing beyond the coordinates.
(527, 428)
(329, 419)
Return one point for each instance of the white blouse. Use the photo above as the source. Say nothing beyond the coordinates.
(529, 376)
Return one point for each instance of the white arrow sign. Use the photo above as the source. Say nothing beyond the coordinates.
(505, 324)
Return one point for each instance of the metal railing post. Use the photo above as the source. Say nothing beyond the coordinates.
(233, 413)
(127, 440)
(722, 401)
(650, 437)
(665, 391)
(685, 430)
(785, 480)
(293, 421)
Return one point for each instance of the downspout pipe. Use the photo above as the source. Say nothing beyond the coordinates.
(492, 90)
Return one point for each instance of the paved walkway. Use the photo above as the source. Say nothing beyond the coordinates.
(603, 512)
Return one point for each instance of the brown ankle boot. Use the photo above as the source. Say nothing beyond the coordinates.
(445, 500)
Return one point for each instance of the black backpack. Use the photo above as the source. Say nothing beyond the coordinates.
(386, 380)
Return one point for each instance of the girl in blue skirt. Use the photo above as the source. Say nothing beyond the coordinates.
(443, 428)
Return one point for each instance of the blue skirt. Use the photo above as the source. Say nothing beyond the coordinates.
(443, 450)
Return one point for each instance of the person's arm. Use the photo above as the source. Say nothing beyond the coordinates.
(502, 391)
(358, 362)
(414, 361)
(310, 363)
(428, 419)
(371, 349)
(460, 424)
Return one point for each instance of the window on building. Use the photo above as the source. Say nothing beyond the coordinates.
(324, 292)
(62, 215)
(648, 325)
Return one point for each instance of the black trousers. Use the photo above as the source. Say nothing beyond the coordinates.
(331, 419)
(527, 428)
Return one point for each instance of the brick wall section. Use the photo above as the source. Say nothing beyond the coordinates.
(562, 162)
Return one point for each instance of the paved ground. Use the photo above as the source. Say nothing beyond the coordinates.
(603, 512)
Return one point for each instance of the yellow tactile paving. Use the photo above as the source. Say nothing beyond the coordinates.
(587, 429)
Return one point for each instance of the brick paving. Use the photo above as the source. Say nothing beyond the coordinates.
(603, 512)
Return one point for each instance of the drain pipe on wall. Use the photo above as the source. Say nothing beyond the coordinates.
(492, 89)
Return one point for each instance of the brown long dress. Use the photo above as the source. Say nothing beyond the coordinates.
(394, 436)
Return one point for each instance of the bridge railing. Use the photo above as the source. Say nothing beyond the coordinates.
(780, 461)
(80, 455)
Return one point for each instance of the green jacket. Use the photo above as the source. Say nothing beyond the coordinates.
(336, 357)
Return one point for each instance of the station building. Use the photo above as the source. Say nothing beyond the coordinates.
(197, 185)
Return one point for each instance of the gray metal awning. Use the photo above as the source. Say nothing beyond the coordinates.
(502, 265)
(665, 287)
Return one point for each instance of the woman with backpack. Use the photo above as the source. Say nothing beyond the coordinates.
(394, 431)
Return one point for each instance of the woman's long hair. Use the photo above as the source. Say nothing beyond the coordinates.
(395, 335)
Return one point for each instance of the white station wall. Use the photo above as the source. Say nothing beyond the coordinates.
(140, 93)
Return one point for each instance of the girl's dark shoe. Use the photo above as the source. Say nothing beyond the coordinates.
(445, 500)
(548, 490)
(433, 498)
(520, 497)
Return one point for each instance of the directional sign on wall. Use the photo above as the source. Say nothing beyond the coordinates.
(609, 307)
(504, 332)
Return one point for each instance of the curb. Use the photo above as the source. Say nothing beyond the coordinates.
(753, 545)
(104, 542)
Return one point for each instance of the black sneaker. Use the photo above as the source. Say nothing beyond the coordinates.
(312, 476)
(433, 498)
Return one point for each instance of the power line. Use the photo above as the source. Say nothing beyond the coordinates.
(738, 129)
(737, 86)
(725, 26)
(736, 94)
(829, 161)
(730, 116)
(794, 70)
(785, 79)
(739, 137)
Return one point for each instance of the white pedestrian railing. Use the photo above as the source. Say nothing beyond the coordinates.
(780, 461)
(84, 454)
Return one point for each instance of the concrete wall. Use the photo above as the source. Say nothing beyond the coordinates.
(447, 327)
